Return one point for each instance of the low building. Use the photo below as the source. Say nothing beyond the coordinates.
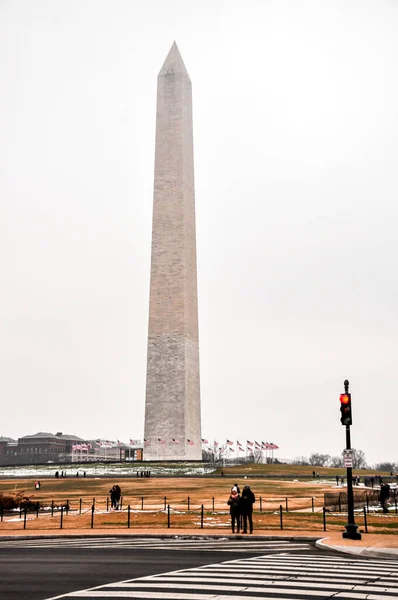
(40, 448)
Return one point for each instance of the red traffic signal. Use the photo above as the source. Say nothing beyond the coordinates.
(345, 409)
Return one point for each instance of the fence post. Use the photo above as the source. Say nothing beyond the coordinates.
(312, 504)
(165, 503)
(168, 516)
(80, 506)
(365, 519)
(62, 517)
(201, 516)
(52, 508)
(24, 519)
(189, 501)
(142, 502)
(92, 516)
(261, 504)
(128, 516)
(280, 515)
(212, 504)
(287, 508)
(67, 507)
(324, 519)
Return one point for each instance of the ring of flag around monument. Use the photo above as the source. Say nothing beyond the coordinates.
(190, 442)
(175, 441)
(205, 441)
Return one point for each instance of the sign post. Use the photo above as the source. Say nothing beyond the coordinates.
(346, 419)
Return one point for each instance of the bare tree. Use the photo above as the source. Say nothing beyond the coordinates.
(358, 459)
(336, 461)
(387, 466)
(319, 460)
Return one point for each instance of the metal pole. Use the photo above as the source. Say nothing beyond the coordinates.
(213, 504)
(128, 516)
(281, 515)
(351, 528)
(24, 519)
(168, 516)
(287, 508)
(92, 517)
(62, 517)
(142, 502)
(165, 503)
(107, 504)
(52, 508)
(261, 504)
(339, 502)
(324, 519)
(188, 503)
(201, 516)
(365, 519)
(312, 503)
(80, 506)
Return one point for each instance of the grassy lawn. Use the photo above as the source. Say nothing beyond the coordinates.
(147, 498)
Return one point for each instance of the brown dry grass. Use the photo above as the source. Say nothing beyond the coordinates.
(158, 492)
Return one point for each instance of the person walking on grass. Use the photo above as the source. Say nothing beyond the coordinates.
(247, 501)
(234, 509)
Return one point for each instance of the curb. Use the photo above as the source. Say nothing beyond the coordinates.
(161, 536)
(367, 551)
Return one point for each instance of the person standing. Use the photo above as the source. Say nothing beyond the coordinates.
(247, 501)
(118, 493)
(113, 493)
(384, 496)
(234, 509)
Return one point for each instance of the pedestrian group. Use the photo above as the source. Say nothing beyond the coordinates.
(241, 508)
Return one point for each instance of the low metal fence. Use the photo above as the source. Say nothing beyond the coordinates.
(136, 513)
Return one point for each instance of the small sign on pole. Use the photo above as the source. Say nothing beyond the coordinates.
(347, 456)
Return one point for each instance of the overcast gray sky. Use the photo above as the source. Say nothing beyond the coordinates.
(296, 132)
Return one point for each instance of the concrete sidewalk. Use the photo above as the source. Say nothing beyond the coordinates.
(371, 544)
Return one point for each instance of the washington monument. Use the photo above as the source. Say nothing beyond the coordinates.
(172, 407)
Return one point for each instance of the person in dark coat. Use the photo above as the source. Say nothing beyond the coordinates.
(234, 509)
(113, 493)
(118, 493)
(246, 503)
(384, 496)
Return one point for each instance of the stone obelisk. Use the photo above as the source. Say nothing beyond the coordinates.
(172, 408)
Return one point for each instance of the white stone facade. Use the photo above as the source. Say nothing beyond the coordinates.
(172, 408)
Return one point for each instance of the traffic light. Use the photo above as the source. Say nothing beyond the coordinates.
(345, 409)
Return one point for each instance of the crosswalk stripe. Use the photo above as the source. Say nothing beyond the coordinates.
(224, 544)
(281, 577)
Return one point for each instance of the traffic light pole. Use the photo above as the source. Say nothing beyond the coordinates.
(351, 528)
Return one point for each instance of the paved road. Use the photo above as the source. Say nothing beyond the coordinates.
(279, 569)
(41, 568)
